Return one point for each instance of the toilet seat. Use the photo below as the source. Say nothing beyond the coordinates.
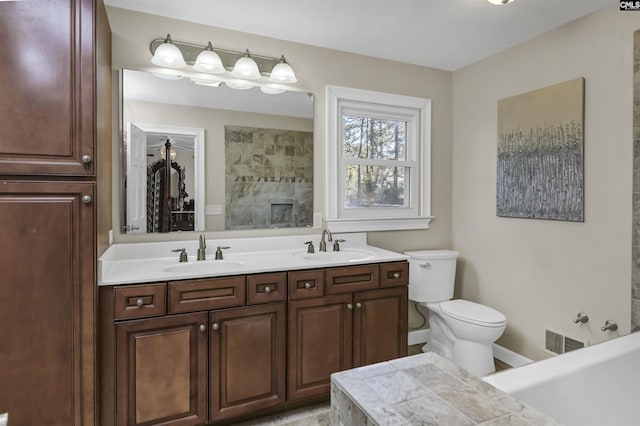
(473, 313)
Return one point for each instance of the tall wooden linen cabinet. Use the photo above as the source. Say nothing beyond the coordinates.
(55, 170)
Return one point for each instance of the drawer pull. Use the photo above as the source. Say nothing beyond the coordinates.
(86, 159)
(215, 326)
(396, 275)
(267, 289)
(139, 301)
(308, 285)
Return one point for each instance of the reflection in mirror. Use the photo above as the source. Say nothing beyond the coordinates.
(163, 193)
(256, 171)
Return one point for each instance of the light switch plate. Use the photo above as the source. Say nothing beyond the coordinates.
(213, 209)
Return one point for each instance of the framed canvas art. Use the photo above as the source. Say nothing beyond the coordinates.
(541, 153)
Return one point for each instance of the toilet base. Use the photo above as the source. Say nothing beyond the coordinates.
(476, 358)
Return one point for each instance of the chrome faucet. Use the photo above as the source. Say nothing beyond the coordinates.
(609, 325)
(201, 248)
(323, 243)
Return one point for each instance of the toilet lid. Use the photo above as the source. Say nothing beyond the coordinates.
(472, 312)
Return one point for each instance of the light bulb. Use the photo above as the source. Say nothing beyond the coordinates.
(168, 55)
(246, 68)
(208, 61)
(238, 84)
(283, 73)
(271, 90)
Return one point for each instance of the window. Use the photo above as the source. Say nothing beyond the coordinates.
(378, 171)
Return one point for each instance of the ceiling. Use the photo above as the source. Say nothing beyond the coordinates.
(444, 34)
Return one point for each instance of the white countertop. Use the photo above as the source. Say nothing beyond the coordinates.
(152, 262)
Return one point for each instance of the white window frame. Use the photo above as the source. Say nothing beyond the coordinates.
(417, 113)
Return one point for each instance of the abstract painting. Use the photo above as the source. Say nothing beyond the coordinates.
(541, 153)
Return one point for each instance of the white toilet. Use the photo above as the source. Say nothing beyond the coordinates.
(460, 330)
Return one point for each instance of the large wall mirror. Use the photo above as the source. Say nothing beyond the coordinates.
(202, 158)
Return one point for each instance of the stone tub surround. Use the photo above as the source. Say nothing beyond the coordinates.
(145, 262)
(424, 389)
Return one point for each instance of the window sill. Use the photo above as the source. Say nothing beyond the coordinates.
(391, 224)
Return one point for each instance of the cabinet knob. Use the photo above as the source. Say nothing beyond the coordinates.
(215, 326)
(349, 306)
(139, 301)
(358, 305)
(308, 285)
(86, 159)
(396, 275)
(86, 199)
(202, 327)
(267, 289)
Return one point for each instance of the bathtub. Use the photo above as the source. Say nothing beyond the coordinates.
(596, 385)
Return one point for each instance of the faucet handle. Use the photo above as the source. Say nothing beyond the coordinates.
(310, 248)
(203, 241)
(219, 251)
(183, 254)
(336, 244)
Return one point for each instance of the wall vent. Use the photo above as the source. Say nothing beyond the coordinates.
(557, 343)
(554, 342)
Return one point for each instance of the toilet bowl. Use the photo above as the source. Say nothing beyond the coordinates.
(460, 330)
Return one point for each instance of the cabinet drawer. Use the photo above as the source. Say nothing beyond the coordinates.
(352, 279)
(394, 274)
(306, 284)
(266, 288)
(202, 295)
(140, 301)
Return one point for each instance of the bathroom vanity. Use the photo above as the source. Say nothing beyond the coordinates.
(261, 330)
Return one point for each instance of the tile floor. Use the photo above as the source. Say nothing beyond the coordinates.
(320, 414)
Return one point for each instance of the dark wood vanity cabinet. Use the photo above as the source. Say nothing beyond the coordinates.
(247, 359)
(348, 328)
(47, 81)
(47, 313)
(55, 126)
(161, 370)
(222, 349)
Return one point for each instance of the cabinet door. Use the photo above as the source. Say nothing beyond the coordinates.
(380, 325)
(247, 359)
(161, 370)
(47, 84)
(47, 289)
(320, 332)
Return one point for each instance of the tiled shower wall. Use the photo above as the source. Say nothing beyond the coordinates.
(269, 178)
(635, 262)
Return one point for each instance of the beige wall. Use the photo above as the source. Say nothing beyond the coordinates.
(541, 273)
(315, 68)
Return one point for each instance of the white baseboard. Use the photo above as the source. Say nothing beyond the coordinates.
(503, 354)
(418, 336)
(509, 357)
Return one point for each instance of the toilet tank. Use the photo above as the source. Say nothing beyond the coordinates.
(432, 275)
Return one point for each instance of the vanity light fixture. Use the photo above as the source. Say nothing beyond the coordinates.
(238, 84)
(271, 90)
(283, 73)
(166, 76)
(172, 153)
(500, 2)
(208, 61)
(205, 82)
(246, 68)
(168, 55)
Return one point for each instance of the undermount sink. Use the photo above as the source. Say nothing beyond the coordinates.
(336, 256)
(206, 266)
